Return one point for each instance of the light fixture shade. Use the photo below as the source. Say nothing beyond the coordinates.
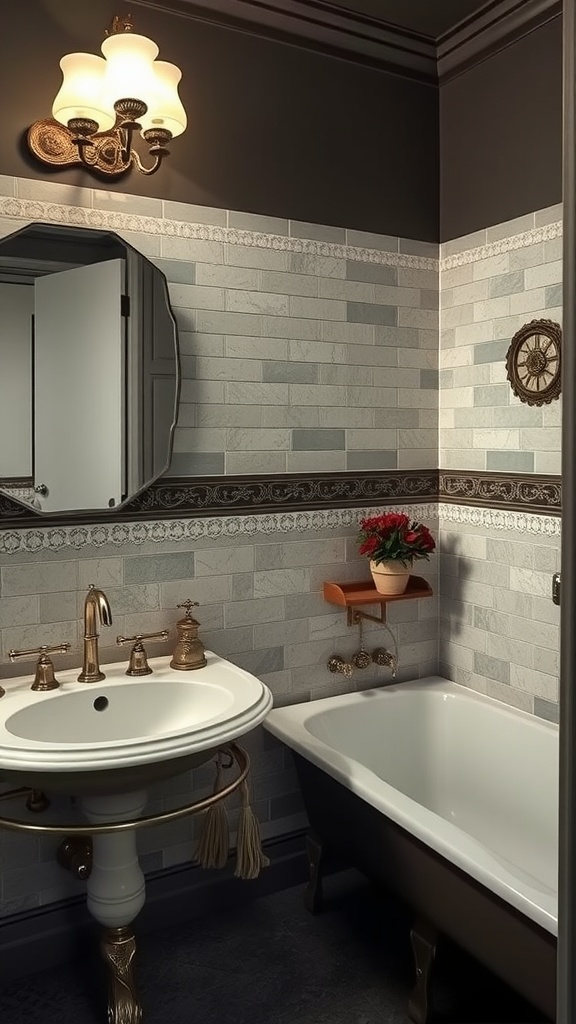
(166, 110)
(129, 73)
(81, 94)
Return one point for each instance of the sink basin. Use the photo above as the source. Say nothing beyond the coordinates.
(124, 732)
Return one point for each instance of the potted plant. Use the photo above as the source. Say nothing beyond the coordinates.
(393, 542)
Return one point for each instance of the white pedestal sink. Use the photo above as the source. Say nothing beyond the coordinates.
(105, 742)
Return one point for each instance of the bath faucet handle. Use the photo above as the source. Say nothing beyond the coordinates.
(44, 678)
(138, 664)
(337, 664)
(381, 656)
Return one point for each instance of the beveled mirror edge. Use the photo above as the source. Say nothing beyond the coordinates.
(180, 498)
(8, 502)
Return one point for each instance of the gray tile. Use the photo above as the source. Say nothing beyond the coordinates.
(429, 379)
(553, 296)
(494, 394)
(289, 372)
(510, 462)
(122, 203)
(319, 232)
(270, 659)
(369, 240)
(413, 247)
(490, 351)
(373, 273)
(372, 313)
(176, 271)
(546, 709)
(318, 440)
(194, 214)
(371, 460)
(506, 284)
(492, 668)
(255, 222)
(196, 464)
(162, 568)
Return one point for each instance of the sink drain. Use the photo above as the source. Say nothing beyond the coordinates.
(101, 703)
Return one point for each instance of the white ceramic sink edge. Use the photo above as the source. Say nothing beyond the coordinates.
(123, 721)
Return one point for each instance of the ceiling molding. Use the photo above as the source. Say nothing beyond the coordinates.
(317, 25)
(322, 26)
(496, 26)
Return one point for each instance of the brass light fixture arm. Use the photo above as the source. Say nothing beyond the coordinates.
(238, 755)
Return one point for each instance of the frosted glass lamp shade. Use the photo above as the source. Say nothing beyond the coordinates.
(129, 73)
(166, 110)
(81, 94)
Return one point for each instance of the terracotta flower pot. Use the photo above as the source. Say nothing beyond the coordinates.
(390, 577)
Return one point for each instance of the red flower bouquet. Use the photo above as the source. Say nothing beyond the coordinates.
(393, 537)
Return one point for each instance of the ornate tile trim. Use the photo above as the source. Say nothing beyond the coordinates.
(511, 491)
(178, 530)
(26, 210)
(498, 519)
(172, 497)
(484, 252)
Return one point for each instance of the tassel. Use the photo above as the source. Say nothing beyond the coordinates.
(214, 845)
(250, 858)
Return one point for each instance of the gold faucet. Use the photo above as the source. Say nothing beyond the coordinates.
(96, 602)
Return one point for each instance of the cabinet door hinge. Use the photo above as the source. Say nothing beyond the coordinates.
(125, 305)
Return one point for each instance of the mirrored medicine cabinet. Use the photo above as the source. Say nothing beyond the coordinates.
(89, 370)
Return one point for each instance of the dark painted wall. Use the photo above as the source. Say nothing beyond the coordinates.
(273, 129)
(501, 135)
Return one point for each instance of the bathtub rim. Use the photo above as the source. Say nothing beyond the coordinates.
(447, 839)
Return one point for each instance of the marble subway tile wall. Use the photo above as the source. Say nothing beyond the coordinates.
(259, 583)
(305, 348)
(499, 630)
(492, 283)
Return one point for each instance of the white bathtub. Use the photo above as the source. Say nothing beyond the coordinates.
(474, 780)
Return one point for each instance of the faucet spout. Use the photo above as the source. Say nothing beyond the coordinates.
(96, 606)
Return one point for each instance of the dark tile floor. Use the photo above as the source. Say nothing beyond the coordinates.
(273, 963)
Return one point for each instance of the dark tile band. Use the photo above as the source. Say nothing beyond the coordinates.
(186, 497)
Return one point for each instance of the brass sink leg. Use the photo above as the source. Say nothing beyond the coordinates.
(75, 855)
(118, 948)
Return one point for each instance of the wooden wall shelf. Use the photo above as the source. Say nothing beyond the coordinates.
(352, 595)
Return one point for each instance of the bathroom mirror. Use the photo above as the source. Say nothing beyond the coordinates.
(89, 369)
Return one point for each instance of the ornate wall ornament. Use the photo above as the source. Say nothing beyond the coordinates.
(499, 519)
(534, 362)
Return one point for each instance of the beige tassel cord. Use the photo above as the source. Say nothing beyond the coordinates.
(214, 843)
(250, 858)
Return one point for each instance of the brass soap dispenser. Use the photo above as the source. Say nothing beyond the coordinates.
(189, 650)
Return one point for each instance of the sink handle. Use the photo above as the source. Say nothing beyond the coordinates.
(138, 664)
(44, 678)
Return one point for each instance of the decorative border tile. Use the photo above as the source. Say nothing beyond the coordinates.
(220, 495)
(498, 519)
(512, 491)
(27, 210)
(519, 241)
(176, 530)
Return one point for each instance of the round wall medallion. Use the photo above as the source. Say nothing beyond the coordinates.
(533, 362)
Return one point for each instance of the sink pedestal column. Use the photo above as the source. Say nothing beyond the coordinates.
(116, 894)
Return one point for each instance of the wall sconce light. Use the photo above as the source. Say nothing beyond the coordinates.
(103, 100)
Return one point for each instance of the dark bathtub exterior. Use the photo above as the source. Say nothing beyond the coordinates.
(511, 945)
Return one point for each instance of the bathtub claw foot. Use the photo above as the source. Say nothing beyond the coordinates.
(423, 938)
(313, 899)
